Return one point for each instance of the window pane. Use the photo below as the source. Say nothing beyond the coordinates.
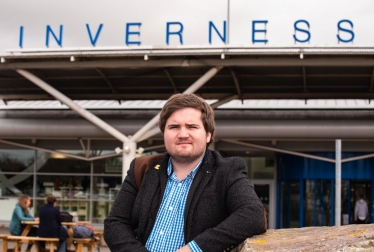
(260, 167)
(63, 186)
(106, 187)
(290, 198)
(13, 185)
(108, 166)
(57, 163)
(323, 193)
(100, 211)
(309, 203)
(263, 192)
(17, 160)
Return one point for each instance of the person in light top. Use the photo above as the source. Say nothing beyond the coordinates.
(361, 210)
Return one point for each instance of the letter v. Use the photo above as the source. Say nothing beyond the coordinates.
(93, 41)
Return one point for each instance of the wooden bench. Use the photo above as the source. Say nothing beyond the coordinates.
(34, 239)
(99, 236)
(5, 243)
(81, 242)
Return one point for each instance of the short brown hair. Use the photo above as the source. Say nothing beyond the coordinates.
(180, 101)
(51, 199)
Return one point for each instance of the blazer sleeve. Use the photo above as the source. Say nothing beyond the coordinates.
(245, 212)
(118, 230)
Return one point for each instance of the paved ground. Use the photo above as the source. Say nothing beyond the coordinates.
(4, 230)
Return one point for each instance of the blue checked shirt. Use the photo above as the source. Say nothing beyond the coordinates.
(168, 234)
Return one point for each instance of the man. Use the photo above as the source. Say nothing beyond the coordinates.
(361, 210)
(50, 223)
(191, 199)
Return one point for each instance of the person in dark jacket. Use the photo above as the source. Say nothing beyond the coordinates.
(190, 199)
(50, 223)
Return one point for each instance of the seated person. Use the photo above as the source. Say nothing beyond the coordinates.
(21, 213)
(50, 223)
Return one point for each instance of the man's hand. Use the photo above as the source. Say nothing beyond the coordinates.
(185, 248)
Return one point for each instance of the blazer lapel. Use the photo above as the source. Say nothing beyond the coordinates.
(201, 179)
(163, 175)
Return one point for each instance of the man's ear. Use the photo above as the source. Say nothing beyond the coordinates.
(208, 137)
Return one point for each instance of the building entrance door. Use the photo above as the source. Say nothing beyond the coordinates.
(265, 190)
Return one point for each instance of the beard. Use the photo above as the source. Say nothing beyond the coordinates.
(185, 156)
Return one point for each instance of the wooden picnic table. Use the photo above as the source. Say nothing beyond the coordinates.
(69, 225)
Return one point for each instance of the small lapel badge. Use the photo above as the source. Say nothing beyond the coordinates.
(207, 172)
(157, 166)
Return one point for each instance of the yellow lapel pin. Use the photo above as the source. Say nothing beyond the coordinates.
(157, 166)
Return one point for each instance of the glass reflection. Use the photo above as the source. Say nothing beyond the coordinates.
(57, 163)
(69, 180)
(260, 167)
(64, 186)
(317, 202)
(290, 198)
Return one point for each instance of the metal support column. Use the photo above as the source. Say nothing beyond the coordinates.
(128, 145)
(128, 154)
(72, 105)
(338, 180)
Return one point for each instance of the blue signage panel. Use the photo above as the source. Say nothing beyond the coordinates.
(42, 26)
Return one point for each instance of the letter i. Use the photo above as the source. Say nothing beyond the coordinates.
(21, 36)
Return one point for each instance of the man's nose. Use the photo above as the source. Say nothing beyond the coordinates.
(183, 132)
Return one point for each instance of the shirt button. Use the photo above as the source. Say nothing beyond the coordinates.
(161, 232)
(179, 184)
(171, 208)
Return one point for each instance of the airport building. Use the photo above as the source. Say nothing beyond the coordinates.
(291, 84)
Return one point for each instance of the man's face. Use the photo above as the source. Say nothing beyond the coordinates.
(185, 137)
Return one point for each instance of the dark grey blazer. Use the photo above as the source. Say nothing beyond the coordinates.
(222, 208)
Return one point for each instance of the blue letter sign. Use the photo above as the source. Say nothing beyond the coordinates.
(168, 32)
(345, 30)
(254, 40)
(93, 41)
(128, 33)
(223, 37)
(49, 30)
(302, 30)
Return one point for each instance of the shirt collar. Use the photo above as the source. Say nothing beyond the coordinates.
(191, 174)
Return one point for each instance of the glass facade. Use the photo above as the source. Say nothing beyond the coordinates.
(85, 187)
(16, 172)
(317, 210)
(317, 191)
(290, 200)
(260, 167)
